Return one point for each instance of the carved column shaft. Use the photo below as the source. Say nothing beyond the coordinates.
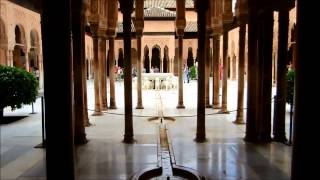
(207, 70)
(201, 8)
(216, 72)
(180, 72)
(242, 43)
(103, 72)
(59, 125)
(78, 48)
(111, 73)
(139, 84)
(97, 95)
(126, 8)
(225, 73)
(265, 60)
(252, 104)
(280, 101)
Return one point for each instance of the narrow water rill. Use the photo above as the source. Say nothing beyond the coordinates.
(166, 168)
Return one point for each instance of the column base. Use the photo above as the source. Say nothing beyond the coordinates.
(113, 107)
(80, 140)
(87, 123)
(139, 107)
(264, 138)
(216, 106)
(129, 139)
(224, 111)
(180, 106)
(105, 108)
(209, 106)
(239, 121)
(200, 139)
(97, 113)
(250, 139)
(281, 139)
(112, 104)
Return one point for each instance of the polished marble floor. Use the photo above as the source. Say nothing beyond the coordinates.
(225, 156)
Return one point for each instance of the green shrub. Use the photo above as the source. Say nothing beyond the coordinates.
(17, 87)
(193, 72)
(290, 86)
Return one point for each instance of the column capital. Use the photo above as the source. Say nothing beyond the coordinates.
(180, 32)
(126, 6)
(139, 25)
(111, 32)
(201, 5)
(139, 33)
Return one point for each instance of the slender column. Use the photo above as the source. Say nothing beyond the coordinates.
(265, 57)
(180, 26)
(97, 97)
(59, 125)
(242, 43)
(251, 131)
(207, 70)
(78, 47)
(85, 99)
(180, 72)
(103, 74)
(27, 66)
(280, 101)
(225, 74)
(216, 78)
(201, 8)
(304, 123)
(111, 73)
(139, 91)
(126, 7)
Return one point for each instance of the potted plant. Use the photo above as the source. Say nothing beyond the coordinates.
(18, 87)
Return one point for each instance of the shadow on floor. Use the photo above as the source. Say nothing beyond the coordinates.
(11, 119)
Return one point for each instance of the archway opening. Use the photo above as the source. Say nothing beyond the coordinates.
(166, 60)
(19, 57)
(155, 60)
(190, 57)
(34, 53)
(146, 62)
(121, 58)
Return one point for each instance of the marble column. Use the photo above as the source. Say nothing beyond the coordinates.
(216, 73)
(225, 74)
(139, 84)
(305, 121)
(242, 43)
(78, 47)
(103, 74)
(201, 8)
(207, 70)
(60, 156)
(252, 104)
(97, 95)
(265, 59)
(180, 72)
(126, 7)
(111, 73)
(280, 100)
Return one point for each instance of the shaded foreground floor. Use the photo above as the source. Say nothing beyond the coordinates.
(225, 156)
